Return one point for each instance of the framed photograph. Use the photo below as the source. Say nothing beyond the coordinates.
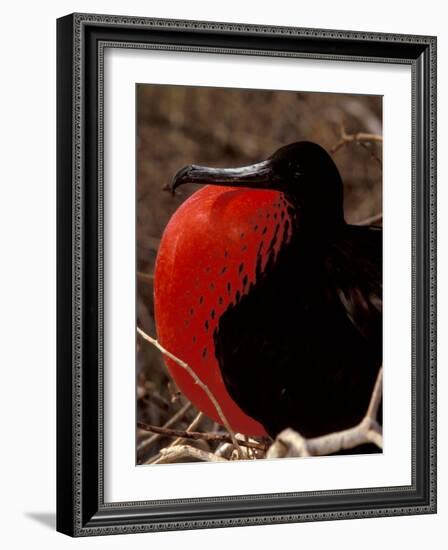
(246, 274)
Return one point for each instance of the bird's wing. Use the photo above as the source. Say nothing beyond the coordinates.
(354, 264)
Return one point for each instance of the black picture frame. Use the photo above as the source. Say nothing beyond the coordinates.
(81, 510)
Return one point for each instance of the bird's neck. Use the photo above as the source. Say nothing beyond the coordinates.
(319, 201)
(321, 219)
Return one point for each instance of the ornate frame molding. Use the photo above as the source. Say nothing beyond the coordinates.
(82, 39)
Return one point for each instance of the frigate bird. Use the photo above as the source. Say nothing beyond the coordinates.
(270, 296)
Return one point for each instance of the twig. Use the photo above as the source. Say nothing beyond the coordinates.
(290, 443)
(362, 139)
(372, 220)
(198, 381)
(224, 450)
(377, 394)
(191, 428)
(148, 442)
(170, 455)
(359, 137)
(145, 277)
(187, 434)
(372, 153)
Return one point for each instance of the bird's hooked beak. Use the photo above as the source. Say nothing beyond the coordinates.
(254, 176)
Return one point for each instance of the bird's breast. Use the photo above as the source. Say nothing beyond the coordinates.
(214, 250)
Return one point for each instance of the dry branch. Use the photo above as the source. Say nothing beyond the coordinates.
(377, 394)
(198, 381)
(372, 153)
(291, 444)
(372, 220)
(145, 277)
(175, 418)
(205, 436)
(171, 455)
(224, 450)
(359, 137)
(191, 428)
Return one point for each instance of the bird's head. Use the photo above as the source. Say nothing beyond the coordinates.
(303, 171)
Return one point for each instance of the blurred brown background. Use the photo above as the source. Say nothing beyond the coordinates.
(179, 125)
